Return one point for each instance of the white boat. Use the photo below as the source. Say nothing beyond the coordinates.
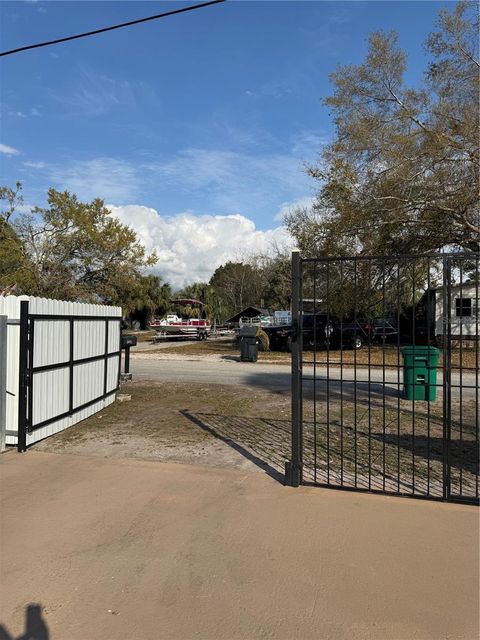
(174, 325)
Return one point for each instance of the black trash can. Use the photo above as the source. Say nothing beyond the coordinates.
(248, 344)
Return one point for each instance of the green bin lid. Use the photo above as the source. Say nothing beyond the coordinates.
(419, 350)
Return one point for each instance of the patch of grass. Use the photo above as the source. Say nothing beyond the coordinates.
(204, 347)
(388, 356)
(222, 348)
(362, 440)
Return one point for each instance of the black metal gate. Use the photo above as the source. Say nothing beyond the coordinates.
(53, 354)
(385, 375)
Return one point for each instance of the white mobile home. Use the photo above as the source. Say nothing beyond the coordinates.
(464, 312)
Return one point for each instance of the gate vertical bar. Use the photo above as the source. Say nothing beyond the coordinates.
(119, 370)
(293, 468)
(105, 365)
(447, 390)
(22, 378)
(71, 362)
(30, 343)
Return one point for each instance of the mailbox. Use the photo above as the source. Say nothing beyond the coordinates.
(128, 341)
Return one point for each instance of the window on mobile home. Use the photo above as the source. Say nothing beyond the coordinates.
(463, 307)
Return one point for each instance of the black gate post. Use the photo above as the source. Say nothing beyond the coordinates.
(23, 378)
(447, 373)
(293, 467)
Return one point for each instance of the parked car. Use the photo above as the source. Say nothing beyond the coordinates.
(321, 331)
(383, 330)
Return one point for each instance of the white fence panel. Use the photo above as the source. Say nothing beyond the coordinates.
(87, 382)
(48, 333)
(89, 338)
(50, 394)
(10, 307)
(61, 391)
(113, 335)
(113, 372)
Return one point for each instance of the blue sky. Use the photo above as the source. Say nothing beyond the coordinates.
(204, 120)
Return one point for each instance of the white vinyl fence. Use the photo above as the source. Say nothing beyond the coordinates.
(62, 364)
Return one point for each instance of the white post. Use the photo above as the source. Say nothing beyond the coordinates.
(3, 381)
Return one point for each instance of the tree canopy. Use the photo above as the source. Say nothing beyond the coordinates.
(73, 251)
(15, 264)
(260, 280)
(402, 174)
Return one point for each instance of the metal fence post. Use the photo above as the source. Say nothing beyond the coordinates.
(23, 375)
(3, 381)
(293, 467)
(447, 373)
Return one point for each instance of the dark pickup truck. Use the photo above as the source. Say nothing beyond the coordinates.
(321, 331)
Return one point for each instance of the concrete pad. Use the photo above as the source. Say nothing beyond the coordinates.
(127, 549)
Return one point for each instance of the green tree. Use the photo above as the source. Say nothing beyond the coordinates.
(402, 174)
(214, 307)
(15, 266)
(79, 251)
(238, 285)
(275, 274)
(149, 297)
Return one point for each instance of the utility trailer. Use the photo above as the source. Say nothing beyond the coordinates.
(202, 333)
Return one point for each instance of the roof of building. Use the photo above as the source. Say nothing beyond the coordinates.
(248, 312)
(463, 285)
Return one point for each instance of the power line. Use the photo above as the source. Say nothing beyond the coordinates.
(116, 26)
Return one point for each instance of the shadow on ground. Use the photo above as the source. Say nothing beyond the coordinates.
(264, 442)
(373, 455)
(35, 626)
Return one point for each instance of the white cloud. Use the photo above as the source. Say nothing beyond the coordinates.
(94, 94)
(9, 151)
(35, 165)
(287, 207)
(104, 178)
(26, 207)
(341, 17)
(308, 143)
(22, 114)
(234, 181)
(228, 181)
(190, 247)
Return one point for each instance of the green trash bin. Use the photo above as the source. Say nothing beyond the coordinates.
(420, 372)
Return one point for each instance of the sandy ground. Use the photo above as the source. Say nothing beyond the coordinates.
(165, 517)
(122, 549)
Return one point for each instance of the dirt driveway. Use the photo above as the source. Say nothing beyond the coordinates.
(120, 549)
(100, 541)
(365, 443)
(214, 425)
